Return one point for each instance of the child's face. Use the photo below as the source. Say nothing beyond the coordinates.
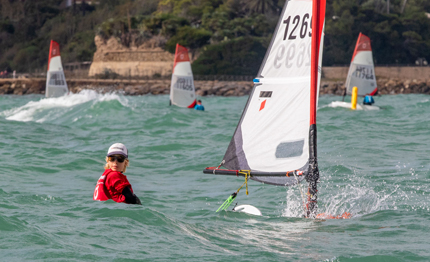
(115, 163)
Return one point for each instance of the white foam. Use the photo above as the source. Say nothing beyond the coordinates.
(357, 197)
(28, 111)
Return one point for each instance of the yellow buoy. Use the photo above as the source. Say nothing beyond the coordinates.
(354, 98)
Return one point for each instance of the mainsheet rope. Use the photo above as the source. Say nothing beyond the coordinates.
(230, 199)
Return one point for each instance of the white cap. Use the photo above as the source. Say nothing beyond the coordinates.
(118, 149)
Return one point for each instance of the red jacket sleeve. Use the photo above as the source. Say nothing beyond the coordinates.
(115, 183)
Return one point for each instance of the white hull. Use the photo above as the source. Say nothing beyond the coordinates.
(348, 105)
(248, 209)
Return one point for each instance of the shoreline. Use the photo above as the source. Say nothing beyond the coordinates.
(203, 88)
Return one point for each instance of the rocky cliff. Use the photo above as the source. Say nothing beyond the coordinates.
(147, 59)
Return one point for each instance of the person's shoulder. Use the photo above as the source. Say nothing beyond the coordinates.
(114, 175)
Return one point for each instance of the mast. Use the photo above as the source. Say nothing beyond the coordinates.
(312, 176)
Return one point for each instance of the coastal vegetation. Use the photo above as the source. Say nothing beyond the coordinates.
(225, 36)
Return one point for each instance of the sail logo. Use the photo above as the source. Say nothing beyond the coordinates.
(262, 105)
(264, 94)
(184, 84)
(56, 78)
(363, 72)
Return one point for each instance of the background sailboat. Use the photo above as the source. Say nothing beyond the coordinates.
(182, 91)
(362, 71)
(361, 74)
(55, 80)
(275, 140)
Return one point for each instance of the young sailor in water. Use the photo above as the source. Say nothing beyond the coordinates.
(368, 100)
(199, 106)
(113, 184)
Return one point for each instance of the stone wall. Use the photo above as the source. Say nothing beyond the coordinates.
(385, 87)
(22, 86)
(385, 72)
(203, 88)
(132, 69)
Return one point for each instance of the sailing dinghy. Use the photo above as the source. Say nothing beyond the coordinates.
(55, 80)
(275, 140)
(361, 74)
(182, 91)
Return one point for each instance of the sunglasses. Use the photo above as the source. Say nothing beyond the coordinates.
(120, 159)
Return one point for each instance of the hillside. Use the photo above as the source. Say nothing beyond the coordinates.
(228, 36)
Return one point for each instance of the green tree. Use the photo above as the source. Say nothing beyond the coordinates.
(262, 6)
(241, 56)
(192, 38)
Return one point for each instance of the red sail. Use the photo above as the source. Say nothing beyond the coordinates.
(181, 55)
(363, 44)
(54, 50)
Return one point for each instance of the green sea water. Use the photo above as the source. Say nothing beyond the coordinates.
(373, 164)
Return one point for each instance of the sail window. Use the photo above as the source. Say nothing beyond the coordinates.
(266, 94)
(289, 149)
(57, 79)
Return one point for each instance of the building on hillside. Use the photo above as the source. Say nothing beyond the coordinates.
(77, 69)
(77, 66)
(68, 3)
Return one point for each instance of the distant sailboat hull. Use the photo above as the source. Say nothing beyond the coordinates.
(348, 105)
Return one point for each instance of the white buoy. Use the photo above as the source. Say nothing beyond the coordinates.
(248, 209)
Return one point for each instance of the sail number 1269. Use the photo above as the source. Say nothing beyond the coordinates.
(302, 31)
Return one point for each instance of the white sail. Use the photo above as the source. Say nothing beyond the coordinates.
(182, 91)
(55, 80)
(362, 71)
(274, 132)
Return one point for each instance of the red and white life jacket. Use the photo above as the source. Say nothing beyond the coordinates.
(100, 192)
